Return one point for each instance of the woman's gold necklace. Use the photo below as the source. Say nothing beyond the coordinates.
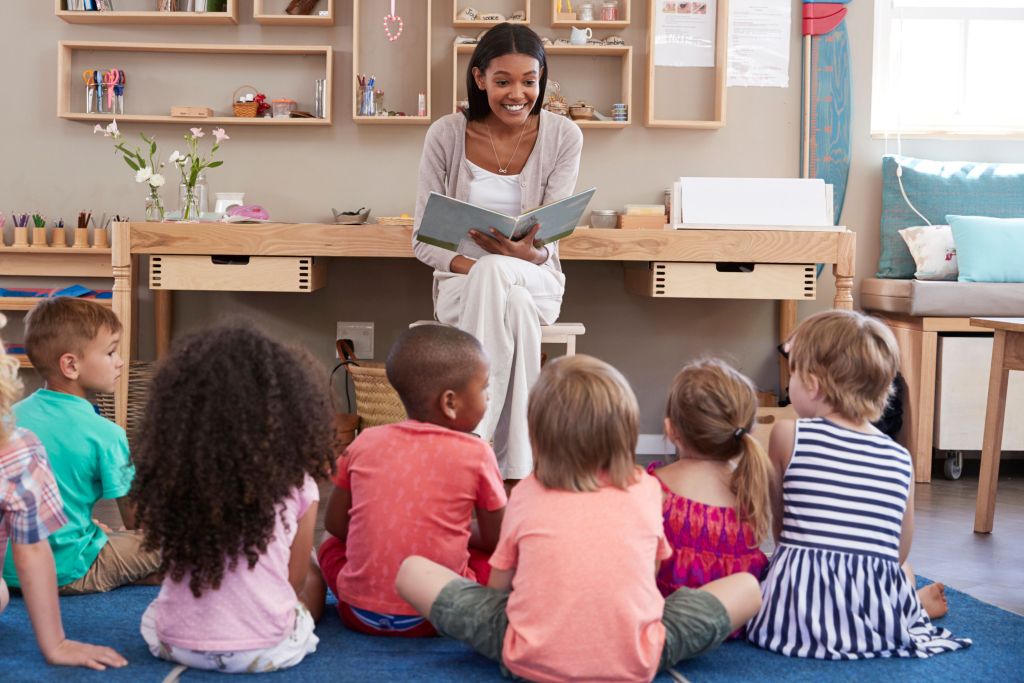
(504, 171)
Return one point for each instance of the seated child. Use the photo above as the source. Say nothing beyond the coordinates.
(579, 548)
(843, 507)
(236, 430)
(30, 510)
(411, 488)
(716, 506)
(73, 345)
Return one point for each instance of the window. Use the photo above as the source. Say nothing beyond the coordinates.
(948, 67)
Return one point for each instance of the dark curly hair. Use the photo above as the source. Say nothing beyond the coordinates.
(235, 421)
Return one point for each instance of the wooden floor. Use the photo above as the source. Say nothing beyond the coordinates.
(988, 566)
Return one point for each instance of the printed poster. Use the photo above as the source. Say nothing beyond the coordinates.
(684, 33)
(759, 35)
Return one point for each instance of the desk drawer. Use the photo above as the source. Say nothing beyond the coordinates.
(237, 273)
(722, 280)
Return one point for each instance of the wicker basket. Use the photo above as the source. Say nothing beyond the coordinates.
(245, 110)
(140, 377)
(377, 401)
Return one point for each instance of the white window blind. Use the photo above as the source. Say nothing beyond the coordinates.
(948, 67)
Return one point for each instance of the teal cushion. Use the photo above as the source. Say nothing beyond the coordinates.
(938, 188)
(989, 249)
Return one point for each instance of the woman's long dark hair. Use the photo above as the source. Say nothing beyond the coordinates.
(503, 39)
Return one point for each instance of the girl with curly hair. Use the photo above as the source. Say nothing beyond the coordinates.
(236, 432)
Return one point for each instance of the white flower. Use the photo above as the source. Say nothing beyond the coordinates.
(97, 129)
(220, 135)
(198, 132)
(156, 180)
(176, 158)
(143, 174)
(112, 131)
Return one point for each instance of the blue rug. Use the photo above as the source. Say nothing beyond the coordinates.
(113, 619)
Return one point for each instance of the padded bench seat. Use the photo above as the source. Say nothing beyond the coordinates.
(926, 298)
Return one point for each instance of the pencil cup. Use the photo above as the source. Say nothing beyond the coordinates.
(81, 238)
(20, 237)
(39, 237)
(99, 238)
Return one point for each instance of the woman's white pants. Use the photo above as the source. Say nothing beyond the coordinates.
(503, 301)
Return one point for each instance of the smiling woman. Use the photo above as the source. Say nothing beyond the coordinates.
(507, 154)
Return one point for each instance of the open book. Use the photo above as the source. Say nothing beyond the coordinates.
(447, 221)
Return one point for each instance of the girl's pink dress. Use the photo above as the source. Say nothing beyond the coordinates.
(708, 542)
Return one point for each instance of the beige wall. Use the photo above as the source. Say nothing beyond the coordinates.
(59, 167)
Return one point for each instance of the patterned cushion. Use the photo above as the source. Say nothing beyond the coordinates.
(938, 188)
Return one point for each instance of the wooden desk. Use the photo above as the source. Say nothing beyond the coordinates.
(372, 241)
(1007, 354)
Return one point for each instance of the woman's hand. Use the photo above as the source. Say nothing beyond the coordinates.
(525, 248)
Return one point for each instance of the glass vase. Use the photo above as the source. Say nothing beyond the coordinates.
(154, 207)
(188, 202)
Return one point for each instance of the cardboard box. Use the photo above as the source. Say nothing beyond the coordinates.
(642, 222)
(191, 112)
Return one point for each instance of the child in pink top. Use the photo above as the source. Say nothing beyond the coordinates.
(236, 430)
(716, 504)
(579, 548)
(411, 488)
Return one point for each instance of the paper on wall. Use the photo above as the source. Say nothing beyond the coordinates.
(684, 33)
(759, 35)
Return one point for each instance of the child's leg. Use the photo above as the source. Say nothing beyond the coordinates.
(419, 582)
(121, 562)
(5, 595)
(698, 620)
(932, 597)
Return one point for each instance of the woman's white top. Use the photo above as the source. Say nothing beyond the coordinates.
(501, 193)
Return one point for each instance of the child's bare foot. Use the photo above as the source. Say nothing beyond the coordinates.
(933, 599)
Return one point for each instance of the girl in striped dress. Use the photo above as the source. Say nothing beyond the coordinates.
(843, 508)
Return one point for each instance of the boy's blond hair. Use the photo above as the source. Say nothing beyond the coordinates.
(854, 358)
(584, 423)
(10, 388)
(712, 409)
(62, 325)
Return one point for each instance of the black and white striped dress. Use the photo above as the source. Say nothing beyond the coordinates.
(834, 589)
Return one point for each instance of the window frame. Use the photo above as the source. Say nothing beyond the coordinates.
(884, 116)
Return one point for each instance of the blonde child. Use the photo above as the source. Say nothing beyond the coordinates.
(572, 594)
(843, 507)
(716, 505)
(73, 344)
(31, 510)
(236, 431)
(411, 488)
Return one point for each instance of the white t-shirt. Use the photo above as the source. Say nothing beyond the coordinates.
(501, 193)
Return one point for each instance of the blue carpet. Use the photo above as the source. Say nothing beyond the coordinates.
(113, 619)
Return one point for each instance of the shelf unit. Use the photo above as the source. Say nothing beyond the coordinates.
(622, 52)
(397, 69)
(622, 22)
(720, 70)
(458, 23)
(229, 16)
(261, 16)
(66, 80)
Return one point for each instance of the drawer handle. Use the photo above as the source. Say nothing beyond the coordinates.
(735, 267)
(229, 260)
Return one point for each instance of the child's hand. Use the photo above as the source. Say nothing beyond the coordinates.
(106, 529)
(74, 653)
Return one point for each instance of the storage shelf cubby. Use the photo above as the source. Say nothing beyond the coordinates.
(229, 16)
(524, 6)
(398, 71)
(624, 53)
(596, 22)
(262, 14)
(280, 64)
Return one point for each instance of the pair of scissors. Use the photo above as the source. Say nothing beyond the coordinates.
(110, 79)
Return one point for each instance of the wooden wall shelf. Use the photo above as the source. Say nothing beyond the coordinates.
(67, 81)
(261, 16)
(399, 65)
(230, 16)
(622, 52)
(458, 23)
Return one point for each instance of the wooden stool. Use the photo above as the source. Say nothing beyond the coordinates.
(1007, 354)
(559, 333)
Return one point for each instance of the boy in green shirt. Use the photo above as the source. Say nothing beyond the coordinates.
(73, 343)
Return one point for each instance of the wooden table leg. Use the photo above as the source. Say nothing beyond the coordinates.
(787, 323)
(121, 262)
(163, 312)
(844, 271)
(992, 442)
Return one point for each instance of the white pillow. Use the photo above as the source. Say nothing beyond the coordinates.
(933, 251)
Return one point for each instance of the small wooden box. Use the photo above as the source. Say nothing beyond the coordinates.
(627, 222)
(565, 16)
(191, 112)
(781, 281)
(237, 273)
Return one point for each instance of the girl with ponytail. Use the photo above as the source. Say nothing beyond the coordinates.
(716, 503)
